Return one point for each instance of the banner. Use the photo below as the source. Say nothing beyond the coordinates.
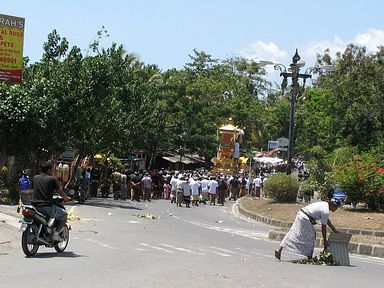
(11, 48)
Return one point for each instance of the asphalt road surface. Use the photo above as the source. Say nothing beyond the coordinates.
(118, 244)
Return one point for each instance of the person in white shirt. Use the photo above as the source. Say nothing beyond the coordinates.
(183, 191)
(147, 186)
(195, 192)
(204, 189)
(173, 183)
(187, 192)
(257, 183)
(212, 190)
(302, 235)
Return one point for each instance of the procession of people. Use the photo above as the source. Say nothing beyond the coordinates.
(184, 188)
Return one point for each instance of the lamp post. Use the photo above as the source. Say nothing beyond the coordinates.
(294, 73)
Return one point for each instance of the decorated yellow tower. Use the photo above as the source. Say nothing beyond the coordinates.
(228, 158)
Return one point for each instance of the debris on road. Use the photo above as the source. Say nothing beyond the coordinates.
(325, 259)
(72, 215)
(221, 275)
(147, 216)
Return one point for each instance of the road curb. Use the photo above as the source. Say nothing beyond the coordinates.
(353, 247)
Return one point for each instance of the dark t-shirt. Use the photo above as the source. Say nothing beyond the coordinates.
(44, 186)
(223, 185)
(136, 179)
(235, 183)
(95, 173)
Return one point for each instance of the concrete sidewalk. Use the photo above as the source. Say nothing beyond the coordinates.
(282, 228)
(9, 215)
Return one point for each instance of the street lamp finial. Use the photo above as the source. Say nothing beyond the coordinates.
(296, 57)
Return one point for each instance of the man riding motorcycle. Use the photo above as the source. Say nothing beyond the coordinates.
(44, 185)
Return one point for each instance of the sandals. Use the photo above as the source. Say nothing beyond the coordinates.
(277, 254)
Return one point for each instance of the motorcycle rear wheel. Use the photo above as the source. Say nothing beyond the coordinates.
(28, 240)
(61, 246)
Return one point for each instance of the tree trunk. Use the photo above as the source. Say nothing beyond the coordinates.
(72, 178)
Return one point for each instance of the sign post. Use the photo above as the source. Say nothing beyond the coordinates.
(11, 48)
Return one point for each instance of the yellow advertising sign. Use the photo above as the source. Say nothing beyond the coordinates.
(11, 48)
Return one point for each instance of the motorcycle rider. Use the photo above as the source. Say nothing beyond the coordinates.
(44, 185)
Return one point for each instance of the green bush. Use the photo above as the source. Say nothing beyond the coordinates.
(282, 187)
(8, 195)
(305, 190)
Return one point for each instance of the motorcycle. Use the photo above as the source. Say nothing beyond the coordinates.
(37, 230)
(77, 193)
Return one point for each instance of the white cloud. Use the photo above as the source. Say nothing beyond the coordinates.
(371, 39)
(272, 52)
(310, 51)
(267, 51)
(264, 51)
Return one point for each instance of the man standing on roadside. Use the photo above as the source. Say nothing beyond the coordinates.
(135, 187)
(213, 188)
(147, 186)
(257, 183)
(95, 179)
(173, 183)
(234, 186)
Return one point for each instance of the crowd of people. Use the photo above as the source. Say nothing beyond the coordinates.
(180, 187)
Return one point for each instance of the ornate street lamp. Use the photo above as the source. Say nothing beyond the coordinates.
(294, 73)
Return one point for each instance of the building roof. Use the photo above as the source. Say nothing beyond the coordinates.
(187, 159)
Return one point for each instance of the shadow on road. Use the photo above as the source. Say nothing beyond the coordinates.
(45, 255)
(105, 203)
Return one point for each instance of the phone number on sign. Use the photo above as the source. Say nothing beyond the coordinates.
(7, 60)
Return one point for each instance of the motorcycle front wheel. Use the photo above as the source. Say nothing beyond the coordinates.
(61, 246)
(82, 196)
(28, 240)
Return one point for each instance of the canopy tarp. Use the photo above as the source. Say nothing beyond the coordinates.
(269, 160)
(183, 159)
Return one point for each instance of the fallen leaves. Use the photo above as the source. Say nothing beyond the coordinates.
(72, 215)
(325, 259)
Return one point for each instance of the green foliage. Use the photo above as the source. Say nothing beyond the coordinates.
(362, 178)
(305, 188)
(325, 259)
(346, 106)
(282, 187)
(8, 192)
(113, 103)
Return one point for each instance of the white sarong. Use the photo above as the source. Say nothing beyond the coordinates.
(301, 237)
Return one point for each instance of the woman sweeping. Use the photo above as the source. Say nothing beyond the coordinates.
(302, 235)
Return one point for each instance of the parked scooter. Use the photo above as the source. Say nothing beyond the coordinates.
(37, 230)
(77, 193)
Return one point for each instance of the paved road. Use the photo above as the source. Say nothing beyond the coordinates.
(207, 246)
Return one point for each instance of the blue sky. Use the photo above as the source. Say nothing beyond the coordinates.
(165, 32)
